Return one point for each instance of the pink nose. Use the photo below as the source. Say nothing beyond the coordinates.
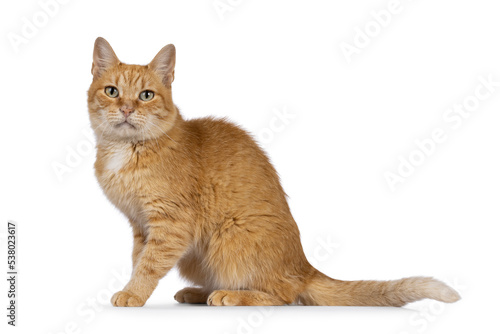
(126, 110)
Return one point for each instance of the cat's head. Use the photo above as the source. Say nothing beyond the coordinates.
(131, 102)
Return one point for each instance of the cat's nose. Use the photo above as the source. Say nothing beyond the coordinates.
(127, 110)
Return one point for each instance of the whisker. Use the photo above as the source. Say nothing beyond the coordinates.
(153, 136)
(161, 130)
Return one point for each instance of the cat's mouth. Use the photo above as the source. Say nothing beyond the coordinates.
(125, 124)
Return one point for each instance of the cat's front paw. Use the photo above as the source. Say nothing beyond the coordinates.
(222, 298)
(126, 298)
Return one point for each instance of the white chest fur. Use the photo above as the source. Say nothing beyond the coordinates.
(118, 181)
(118, 156)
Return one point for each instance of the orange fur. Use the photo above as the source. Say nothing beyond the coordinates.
(202, 195)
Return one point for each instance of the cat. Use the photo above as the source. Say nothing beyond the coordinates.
(203, 196)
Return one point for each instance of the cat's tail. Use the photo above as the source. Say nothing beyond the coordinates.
(323, 290)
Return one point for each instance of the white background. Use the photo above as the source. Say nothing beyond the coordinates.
(352, 120)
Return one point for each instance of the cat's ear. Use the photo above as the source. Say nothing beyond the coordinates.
(104, 57)
(164, 64)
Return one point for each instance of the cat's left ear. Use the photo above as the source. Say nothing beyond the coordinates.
(164, 64)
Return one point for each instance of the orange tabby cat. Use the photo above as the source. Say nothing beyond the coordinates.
(201, 195)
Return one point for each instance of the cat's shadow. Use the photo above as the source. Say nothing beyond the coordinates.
(195, 308)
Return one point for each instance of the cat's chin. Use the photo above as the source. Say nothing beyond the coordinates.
(123, 132)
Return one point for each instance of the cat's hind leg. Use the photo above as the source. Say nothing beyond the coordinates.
(191, 268)
(192, 296)
(242, 298)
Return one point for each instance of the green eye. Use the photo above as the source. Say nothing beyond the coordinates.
(111, 91)
(147, 95)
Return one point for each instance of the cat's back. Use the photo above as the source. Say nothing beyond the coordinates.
(220, 131)
(233, 165)
(222, 142)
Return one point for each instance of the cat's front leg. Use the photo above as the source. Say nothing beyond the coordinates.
(164, 246)
(139, 243)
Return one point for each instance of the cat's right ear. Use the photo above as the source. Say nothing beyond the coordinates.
(104, 57)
